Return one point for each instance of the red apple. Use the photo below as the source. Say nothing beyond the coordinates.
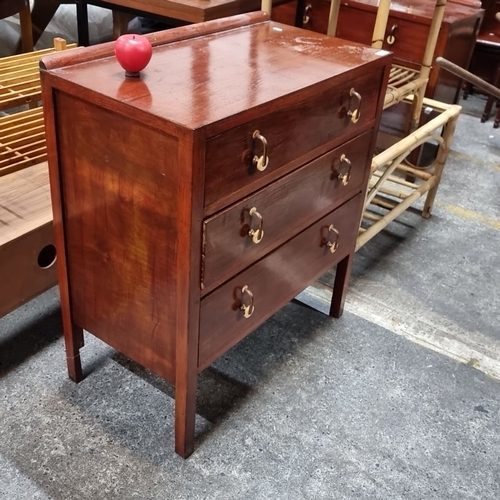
(133, 52)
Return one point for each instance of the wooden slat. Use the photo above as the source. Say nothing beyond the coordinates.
(20, 77)
(22, 141)
(402, 82)
(24, 202)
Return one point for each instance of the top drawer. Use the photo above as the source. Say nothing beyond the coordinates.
(247, 157)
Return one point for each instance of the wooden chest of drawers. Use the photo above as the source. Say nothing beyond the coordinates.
(192, 203)
(407, 32)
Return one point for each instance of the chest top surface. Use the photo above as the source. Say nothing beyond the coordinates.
(421, 10)
(203, 80)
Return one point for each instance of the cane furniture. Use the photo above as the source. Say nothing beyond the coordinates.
(395, 183)
(185, 212)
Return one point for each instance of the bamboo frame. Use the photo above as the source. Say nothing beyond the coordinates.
(333, 17)
(22, 140)
(22, 134)
(20, 77)
(425, 71)
(388, 170)
(266, 6)
(378, 37)
(405, 81)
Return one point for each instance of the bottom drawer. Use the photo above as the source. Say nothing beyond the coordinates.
(273, 281)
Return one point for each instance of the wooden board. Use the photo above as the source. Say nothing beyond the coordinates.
(25, 230)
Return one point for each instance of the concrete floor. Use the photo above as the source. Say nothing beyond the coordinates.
(400, 398)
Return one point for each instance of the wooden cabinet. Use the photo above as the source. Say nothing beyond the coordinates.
(406, 35)
(192, 203)
(486, 58)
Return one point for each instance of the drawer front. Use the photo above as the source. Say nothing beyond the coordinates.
(253, 227)
(316, 13)
(273, 281)
(234, 161)
(408, 38)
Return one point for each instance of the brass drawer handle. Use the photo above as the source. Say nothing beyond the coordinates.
(356, 114)
(333, 245)
(306, 17)
(247, 309)
(391, 37)
(261, 161)
(345, 177)
(256, 234)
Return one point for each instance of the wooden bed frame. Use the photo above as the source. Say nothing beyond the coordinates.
(27, 250)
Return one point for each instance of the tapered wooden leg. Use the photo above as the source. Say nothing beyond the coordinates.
(342, 275)
(74, 341)
(73, 334)
(487, 109)
(186, 375)
(185, 410)
(496, 123)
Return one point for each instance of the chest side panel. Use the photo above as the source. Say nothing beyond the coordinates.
(119, 183)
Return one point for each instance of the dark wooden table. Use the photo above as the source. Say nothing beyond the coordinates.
(176, 12)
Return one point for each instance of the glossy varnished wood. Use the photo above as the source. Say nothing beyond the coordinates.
(191, 84)
(121, 230)
(130, 161)
(286, 207)
(312, 126)
(274, 281)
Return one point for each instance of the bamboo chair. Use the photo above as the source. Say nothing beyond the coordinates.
(403, 81)
(395, 184)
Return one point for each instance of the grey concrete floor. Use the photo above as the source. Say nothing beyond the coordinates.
(399, 398)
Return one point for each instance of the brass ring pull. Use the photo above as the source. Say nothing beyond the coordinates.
(247, 309)
(345, 177)
(256, 234)
(261, 161)
(356, 114)
(306, 17)
(333, 245)
(391, 38)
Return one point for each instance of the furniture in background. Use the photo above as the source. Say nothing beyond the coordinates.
(27, 251)
(187, 218)
(396, 183)
(176, 12)
(22, 7)
(491, 101)
(486, 57)
(406, 35)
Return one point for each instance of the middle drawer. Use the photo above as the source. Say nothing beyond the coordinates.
(235, 238)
